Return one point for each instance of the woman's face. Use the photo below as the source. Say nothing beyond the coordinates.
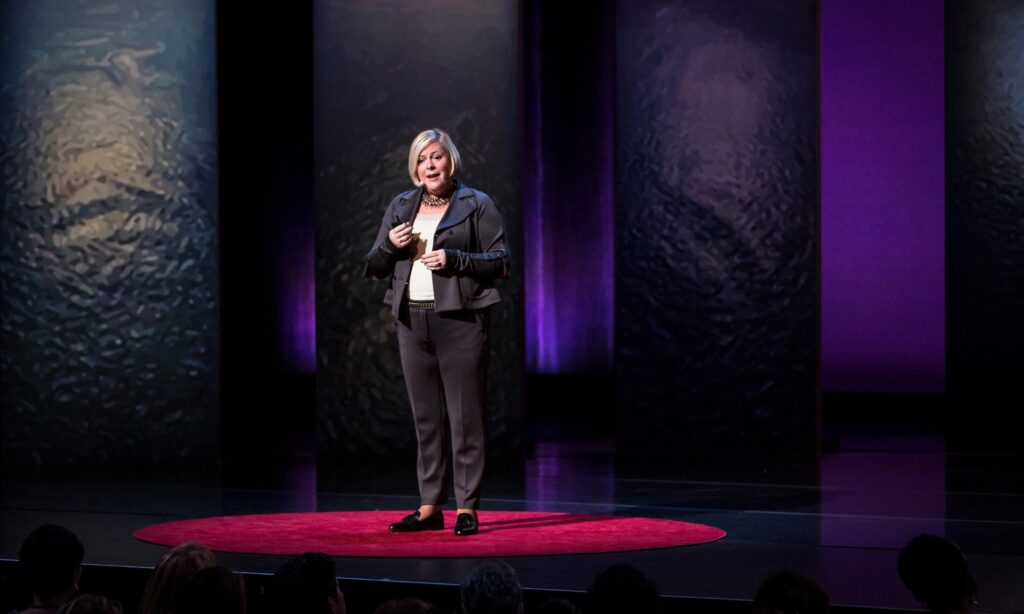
(434, 169)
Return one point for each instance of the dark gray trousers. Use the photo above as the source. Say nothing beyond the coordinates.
(444, 359)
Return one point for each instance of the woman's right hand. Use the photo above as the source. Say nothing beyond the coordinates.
(401, 235)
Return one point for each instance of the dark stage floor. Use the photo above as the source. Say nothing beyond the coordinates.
(840, 521)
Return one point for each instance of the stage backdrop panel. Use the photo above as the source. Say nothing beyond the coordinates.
(985, 222)
(882, 197)
(108, 246)
(569, 189)
(383, 73)
(717, 218)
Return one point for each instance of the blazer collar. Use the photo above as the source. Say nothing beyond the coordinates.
(461, 207)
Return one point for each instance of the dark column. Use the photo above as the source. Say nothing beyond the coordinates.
(985, 223)
(267, 232)
(569, 187)
(717, 219)
(383, 73)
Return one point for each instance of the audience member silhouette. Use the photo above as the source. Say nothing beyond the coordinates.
(214, 590)
(308, 584)
(187, 581)
(51, 560)
(492, 588)
(91, 604)
(166, 583)
(622, 588)
(787, 592)
(936, 572)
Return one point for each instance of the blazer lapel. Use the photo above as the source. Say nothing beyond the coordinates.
(461, 207)
(413, 205)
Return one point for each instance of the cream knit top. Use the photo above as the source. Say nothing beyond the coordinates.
(421, 279)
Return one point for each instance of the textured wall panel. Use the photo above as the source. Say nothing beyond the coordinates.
(985, 213)
(108, 245)
(716, 257)
(383, 73)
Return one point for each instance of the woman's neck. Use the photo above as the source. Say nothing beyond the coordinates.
(445, 190)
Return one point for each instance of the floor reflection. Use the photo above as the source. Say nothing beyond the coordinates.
(878, 492)
(561, 475)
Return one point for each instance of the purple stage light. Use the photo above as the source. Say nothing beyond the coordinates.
(297, 297)
(882, 196)
(541, 342)
(568, 192)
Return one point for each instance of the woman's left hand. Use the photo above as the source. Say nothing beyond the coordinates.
(435, 260)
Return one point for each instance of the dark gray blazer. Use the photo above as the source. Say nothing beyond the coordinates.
(473, 236)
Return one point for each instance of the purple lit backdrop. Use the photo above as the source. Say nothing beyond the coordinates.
(568, 189)
(882, 211)
(297, 276)
(882, 196)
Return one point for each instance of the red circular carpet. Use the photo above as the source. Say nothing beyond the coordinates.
(365, 534)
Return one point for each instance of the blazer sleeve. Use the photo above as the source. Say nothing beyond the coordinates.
(380, 262)
(492, 261)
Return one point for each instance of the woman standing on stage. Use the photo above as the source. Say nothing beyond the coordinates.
(443, 246)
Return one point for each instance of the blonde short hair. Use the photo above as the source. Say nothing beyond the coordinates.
(422, 141)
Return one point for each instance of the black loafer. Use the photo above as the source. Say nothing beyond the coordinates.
(466, 524)
(412, 523)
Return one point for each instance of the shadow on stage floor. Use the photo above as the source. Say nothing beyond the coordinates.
(841, 519)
